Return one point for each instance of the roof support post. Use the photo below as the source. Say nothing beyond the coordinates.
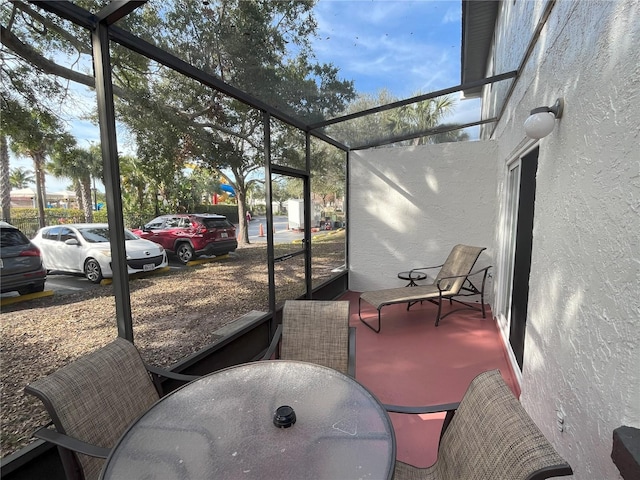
(307, 217)
(266, 120)
(108, 143)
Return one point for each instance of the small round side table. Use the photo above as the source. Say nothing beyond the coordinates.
(412, 276)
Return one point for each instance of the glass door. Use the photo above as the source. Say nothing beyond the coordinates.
(290, 230)
(517, 242)
(508, 244)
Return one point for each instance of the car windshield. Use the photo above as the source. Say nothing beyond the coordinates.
(101, 234)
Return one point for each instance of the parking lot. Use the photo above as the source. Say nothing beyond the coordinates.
(62, 283)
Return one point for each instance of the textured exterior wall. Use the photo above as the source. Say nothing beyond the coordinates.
(582, 346)
(410, 206)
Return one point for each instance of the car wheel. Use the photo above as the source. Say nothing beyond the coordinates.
(185, 252)
(92, 270)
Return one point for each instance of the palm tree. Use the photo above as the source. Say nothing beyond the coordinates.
(21, 177)
(37, 140)
(79, 165)
(137, 188)
(5, 187)
(423, 116)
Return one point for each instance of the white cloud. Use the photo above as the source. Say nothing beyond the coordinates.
(453, 15)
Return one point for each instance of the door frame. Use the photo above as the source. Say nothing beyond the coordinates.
(507, 246)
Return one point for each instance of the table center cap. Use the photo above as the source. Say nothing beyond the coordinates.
(284, 417)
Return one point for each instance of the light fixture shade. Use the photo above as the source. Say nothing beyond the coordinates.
(539, 125)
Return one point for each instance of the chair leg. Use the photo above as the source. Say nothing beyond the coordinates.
(439, 310)
(484, 280)
(367, 323)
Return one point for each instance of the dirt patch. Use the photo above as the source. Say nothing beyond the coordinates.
(174, 315)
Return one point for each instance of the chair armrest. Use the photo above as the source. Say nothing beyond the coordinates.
(274, 343)
(158, 373)
(172, 375)
(471, 274)
(485, 270)
(71, 443)
(425, 268)
(447, 407)
(450, 408)
(351, 365)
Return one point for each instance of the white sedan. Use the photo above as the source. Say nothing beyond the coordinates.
(85, 248)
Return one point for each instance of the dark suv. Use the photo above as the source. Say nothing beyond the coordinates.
(188, 235)
(21, 265)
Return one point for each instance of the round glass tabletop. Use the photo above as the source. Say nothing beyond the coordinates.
(229, 425)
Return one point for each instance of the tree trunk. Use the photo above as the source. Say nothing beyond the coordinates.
(38, 163)
(78, 191)
(85, 189)
(243, 232)
(5, 186)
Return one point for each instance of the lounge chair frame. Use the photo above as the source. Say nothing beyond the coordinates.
(440, 291)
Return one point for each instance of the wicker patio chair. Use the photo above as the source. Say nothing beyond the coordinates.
(92, 401)
(318, 332)
(488, 435)
(451, 283)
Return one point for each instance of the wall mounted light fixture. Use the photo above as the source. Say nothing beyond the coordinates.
(542, 120)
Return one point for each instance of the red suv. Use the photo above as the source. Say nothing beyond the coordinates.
(188, 235)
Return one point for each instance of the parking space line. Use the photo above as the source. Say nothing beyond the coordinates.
(22, 298)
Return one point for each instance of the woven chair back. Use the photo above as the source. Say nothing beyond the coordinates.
(492, 436)
(459, 262)
(316, 331)
(96, 397)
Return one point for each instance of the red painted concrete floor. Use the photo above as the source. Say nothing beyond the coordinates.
(413, 362)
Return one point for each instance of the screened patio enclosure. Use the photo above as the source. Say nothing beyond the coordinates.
(165, 87)
(256, 127)
(295, 132)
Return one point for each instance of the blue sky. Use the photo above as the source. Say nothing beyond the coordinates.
(404, 46)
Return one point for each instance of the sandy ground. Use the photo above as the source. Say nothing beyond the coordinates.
(174, 314)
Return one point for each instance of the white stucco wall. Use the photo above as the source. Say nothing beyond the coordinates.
(409, 206)
(582, 346)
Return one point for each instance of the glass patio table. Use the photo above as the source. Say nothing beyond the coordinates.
(270, 419)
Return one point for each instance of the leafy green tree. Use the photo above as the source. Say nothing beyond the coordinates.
(21, 177)
(361, 130)
(139, 199)
(22, 89)
(328, 172)
(262, 47)
(451, 136)
(281, 192)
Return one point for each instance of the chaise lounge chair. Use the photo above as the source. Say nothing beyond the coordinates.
(452, 281)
